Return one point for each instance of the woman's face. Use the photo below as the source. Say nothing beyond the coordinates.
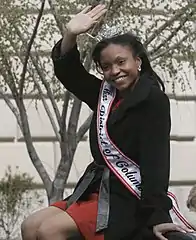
(119, 67)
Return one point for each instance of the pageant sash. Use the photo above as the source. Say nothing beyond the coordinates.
(124, 168)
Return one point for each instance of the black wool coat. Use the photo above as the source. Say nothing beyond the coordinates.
(140, 127)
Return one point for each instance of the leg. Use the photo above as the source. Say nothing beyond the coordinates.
(31, 224)
(58, 227)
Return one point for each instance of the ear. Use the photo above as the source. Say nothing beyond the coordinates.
(138, 63)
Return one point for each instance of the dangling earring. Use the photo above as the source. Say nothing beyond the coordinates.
(139, 69)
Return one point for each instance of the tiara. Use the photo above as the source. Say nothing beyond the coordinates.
(107, 32)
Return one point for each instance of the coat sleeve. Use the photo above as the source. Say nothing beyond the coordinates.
(71, 73)
(154, 159)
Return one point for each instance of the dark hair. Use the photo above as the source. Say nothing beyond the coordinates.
(137, 48)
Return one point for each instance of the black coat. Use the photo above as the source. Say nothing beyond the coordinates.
(140, 127)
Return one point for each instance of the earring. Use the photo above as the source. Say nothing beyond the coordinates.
(139, 69)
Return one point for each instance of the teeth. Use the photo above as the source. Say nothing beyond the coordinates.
(119, 79)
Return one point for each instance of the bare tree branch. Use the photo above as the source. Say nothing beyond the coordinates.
(9, 76)
(31, 150)
(163, 53)
(21, 85)
(11, 106)
(64, 114)
(110, 4)
(48, 111)
(48, 90)
(26, 130)
(63, 170)
(68, 147)
(171, 35)
(42, 78)
(83, 129)
(57, 19)
(179, 13)
(73, 123)
(41, 94)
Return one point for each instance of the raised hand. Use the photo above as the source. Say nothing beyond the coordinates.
(85, 20)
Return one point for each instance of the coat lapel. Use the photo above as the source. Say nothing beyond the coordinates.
(139, 94)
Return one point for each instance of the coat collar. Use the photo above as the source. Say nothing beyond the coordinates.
(136, 96)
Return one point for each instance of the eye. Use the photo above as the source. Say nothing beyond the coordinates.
(121, 61)
(105, 67)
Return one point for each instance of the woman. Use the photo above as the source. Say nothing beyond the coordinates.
(129, 136)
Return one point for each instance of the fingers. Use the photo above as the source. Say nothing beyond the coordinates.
(180, 228)
(100, 14)
(161, 229)
(160, 236)
(171, 227)
(186, 229)
(86, 9)
(96, 10)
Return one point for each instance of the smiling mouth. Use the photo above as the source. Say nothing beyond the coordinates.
(119, 79)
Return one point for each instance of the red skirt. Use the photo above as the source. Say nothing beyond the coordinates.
(84, 214)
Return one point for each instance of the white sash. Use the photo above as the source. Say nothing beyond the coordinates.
(123, 167)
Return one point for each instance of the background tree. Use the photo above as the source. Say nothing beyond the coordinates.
(16, 196)
(28, 30)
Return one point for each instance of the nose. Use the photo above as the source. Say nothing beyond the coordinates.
(115, 70)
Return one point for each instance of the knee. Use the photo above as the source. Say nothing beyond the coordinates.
(28, 228)
(48, 231)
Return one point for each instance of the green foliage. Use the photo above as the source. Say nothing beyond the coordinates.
(12, 188)
(17, 198)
